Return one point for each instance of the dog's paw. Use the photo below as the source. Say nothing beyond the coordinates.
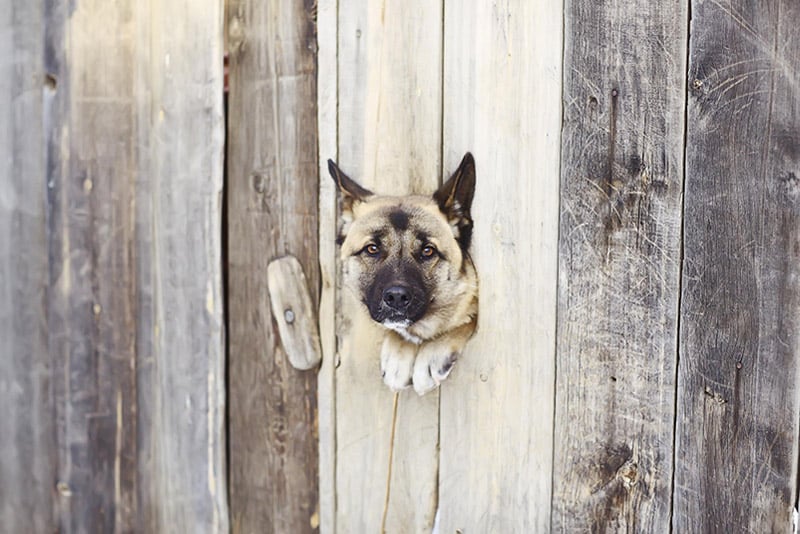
(397, 362)
(434, 363)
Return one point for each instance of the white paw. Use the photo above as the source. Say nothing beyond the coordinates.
(433, 364)
(397, 362)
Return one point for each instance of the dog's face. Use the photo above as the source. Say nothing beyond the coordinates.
(406, 258)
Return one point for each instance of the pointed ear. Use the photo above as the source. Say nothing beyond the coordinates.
(351, 191)
(455, 200)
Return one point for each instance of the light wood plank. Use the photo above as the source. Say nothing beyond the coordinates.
(389, 138)
(27, 445)
(327, 83)
(272, 211)
(293, 313)
(738, 395)
(502, 101)
(180, 335)
(619, 262)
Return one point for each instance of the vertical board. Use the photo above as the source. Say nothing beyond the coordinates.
(180, 337)
(389, 138)
(502, 102)
(27, 453)
(738, 395)
(326, 129)
(619, 264)
(91, 315)
(272, 211)
(133, 118)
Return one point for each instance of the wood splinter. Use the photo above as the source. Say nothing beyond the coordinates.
(293, 312)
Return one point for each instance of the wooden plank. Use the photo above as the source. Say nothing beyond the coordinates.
(27, 447)
(272, 211)
(738, 394)
(619, 257)
(502, 101)
(326, 128)
(389, 138)
(179, 343)
(91, 300)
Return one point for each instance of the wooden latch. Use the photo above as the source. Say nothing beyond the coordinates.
(292, 309)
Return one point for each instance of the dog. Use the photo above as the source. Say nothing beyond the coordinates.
(407, 261)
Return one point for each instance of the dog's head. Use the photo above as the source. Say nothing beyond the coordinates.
(406, 258)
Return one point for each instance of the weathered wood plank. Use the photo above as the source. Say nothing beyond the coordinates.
(179, 343)
(91, 303)
(27, 445)
(272, 211)
(619, 257)
(502, 101)
(389, 139)
(738, 395)
(293, 312)
(326, 128)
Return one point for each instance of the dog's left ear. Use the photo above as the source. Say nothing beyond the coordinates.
(455, 200)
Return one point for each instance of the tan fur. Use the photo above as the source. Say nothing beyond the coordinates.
(422, 353)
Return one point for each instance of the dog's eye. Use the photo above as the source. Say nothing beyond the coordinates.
(372, 249)
(428, 251)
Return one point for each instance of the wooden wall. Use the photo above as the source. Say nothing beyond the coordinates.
(635, 366)
(112, 382)
(637, 239)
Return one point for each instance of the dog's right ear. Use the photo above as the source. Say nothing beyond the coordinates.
(351, 191)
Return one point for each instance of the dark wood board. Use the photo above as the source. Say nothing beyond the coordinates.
(738, 413)
(619, 263)
(272, 193)
(27, 444)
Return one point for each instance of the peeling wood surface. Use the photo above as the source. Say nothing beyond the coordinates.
(389, 139)
(502, 101)
(272, 211)
(737, 425)
(619, 264)
(27, 452)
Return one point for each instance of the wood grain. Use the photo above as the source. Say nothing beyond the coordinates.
(327, 87)
(738, 395)
(180, 346)
(133, 124)
(91, 301)
(502, 101)
(272, 211)
(389, 138)
(27, 446)
(619, 263)
(293, 313)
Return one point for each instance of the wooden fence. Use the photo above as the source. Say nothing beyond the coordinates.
(637, 239)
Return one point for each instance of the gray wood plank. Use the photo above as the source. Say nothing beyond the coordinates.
(178, 69)
(738, 395)
(272, 211)
(619, 262)
(27, 445)
(91, 304)
(502, 102)
(134, 158)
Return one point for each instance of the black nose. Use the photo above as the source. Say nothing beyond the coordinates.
(397, 297)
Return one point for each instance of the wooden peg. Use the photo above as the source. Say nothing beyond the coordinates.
(292, 309)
